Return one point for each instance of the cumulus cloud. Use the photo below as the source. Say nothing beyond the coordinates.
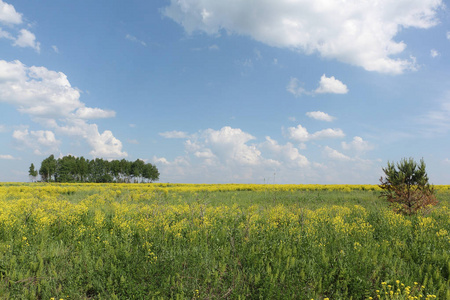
(27, 39)
(294, 87)
(335, 155)
(434, 53)
(7, 157)
(41, 141)
(94, 113)
(448, 35)
(230, 155)
(327, 85)
(330, 85)
(287, 153)
(359, 33)
(6, 35)
(321, 116)
(300, 134)
(231, 145)
(9, 15)
(55, 48)
(233, 155)
(50, 100)
(174, 134)
(357, 144)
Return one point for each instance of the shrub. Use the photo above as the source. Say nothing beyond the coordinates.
(406, 187)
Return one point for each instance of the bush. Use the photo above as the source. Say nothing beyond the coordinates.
(406, 187)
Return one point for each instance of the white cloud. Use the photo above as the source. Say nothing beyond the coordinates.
(55, 49)
(94, 113)
(231, 145)
(7, 157)
(358, 144)
(335, 155)
(233, 155)
(321, 116)
(41, 141)
(6, 35)
(300, 134)
(9, 15)
(287, 154)
(228, 155)
(294, 87)
(328, 133)
(50, 100)
(132, 125)
(27, 39)
(174, 134)
(448, 35)
(206, 153)
(330, 85)
(434, 53)
(327, 85)
(135, 39)
(360, 33)
(213, 47)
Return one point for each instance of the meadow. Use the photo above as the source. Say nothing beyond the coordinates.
(181, 241)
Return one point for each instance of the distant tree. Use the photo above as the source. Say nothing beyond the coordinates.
(150, 172)
(33, 173)
(115, 170)
(83, 169)
(78, 169)
(48, 168)
(137, 169)
(125, 170)
(406, 187)
(66, 169)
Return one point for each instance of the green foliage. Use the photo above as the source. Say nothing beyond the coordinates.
(32, 172)
(218, 245)
(406, 187)
(48, 168)
(98, 170)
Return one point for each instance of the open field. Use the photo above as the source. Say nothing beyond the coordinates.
(162, 241)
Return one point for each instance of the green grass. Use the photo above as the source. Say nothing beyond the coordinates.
(218, 245)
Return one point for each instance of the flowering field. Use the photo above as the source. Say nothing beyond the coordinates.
(161, 241)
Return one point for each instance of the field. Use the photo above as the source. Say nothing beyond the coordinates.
(170, 241)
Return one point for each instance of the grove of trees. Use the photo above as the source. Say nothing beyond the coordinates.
(78, 169)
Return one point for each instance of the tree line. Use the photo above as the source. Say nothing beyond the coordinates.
(78, 169)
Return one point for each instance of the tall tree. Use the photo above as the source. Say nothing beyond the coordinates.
(33, 173)
(150, 172)
(74, 169)
(48, 168)
(137, 168)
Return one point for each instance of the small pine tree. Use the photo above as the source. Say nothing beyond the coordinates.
(406, 187)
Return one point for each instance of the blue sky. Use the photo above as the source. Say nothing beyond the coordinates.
(228, 91)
